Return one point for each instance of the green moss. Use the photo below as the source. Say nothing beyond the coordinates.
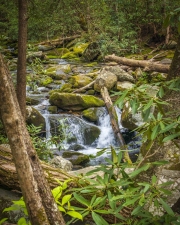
(45, 81)
(66, 88)
(90, 114)
(69, 55)
(91, 64)
(80, 48)
(80, 81)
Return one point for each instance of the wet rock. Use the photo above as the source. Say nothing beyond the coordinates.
(34, 117)
(69, 101)
(92, 52)
(121, 86)
(90, 114)
(60, 162)
(76, 158)
(80, 81)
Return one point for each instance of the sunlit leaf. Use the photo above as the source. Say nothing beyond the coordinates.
(166, 207)
(75, 214)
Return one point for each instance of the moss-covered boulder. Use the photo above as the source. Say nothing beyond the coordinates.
(76, 158)
(122, 86)
(69, 55)
(57, 53)
(80, 81)
(33, 116)
(69, 101)
(66, 88)
(92, 52)
(44, 81)
(52, 109)
(59, 72)
(79, 48)
(32, 101)
(90, 114)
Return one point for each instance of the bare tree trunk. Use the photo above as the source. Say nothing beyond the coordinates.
(21, 65)
(152, 66)
(40, 203)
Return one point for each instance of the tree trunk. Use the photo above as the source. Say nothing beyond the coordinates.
(9, 177)
(152, 66)
(21, 65)
(40, 203)
(174, 71)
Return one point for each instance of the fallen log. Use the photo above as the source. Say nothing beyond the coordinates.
(58, 41)
(149, 65)
(113, 116)
(8, 174)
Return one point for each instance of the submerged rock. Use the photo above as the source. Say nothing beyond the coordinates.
(69, 101)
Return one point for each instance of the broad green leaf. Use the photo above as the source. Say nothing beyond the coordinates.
(57, 192)
(131, 201)
(136, 172)
(98, 219)
(159, 163)
(66, 198)
(11, 208)
(161, 92)
(101, 211)
(166, 21)
(81, 199)
(155, 132)
(165, 191)
(169, 127)
(148, 105)
(171, 137)
(114, 156)
(120, 100)
(3, 220)
(166, 207)
(22, 221)
(142, 200)
(75, 214)
(61, 209)
(136, 210)
(99, 200)
(154, 179)
(145, 114)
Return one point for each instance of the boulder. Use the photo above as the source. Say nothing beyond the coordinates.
(80, 81)
(92, 52)
(108, 78)
(45, 47)
(76, 158)
(34, 117)
(33, 55)
(44, 81)
(61, 163)
(90, 114)
(121, 86)
(69, 101)
(120, 73)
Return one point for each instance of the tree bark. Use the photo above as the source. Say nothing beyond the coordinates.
(9, 177)
(21, 64)
(113, 116)
(40, 203)
(152, 66)
(174, 71)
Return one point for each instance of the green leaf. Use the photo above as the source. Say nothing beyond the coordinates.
(169, 127)
(120, 100)
(136, 210)
(57, 192)
(148, 105)
(161, 92)
(66, 198)
(11, 208)
(75, 214)
(61, 209)
(166, 207)
(3, 220)
(22, 221)
(154, 179)
(170, 137)
(145, 114)
(159, 163)
(131, 201)
(98, 219)
(155, 132)
(81, 199)
(167, 21)
(136, 172)
(114, 156)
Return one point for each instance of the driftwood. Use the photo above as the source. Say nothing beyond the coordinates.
(151, 66)
(59, 41)
(84, 88)
(9, 178)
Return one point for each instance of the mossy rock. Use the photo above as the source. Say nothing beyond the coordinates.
(80, 48)
(66, 88)
(46, 80)
(76, 158)
(32, 101)
(90, 114)
(69, 101)
(33, 116)
(69, 55)
(90, 92)
(57, 53)
(52, 109)
(80, 81)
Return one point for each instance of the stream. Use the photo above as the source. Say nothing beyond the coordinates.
(78, 134)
